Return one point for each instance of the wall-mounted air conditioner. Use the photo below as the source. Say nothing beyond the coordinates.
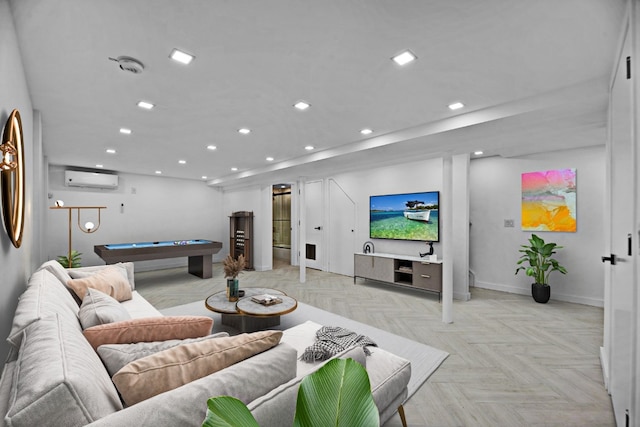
(90, 179)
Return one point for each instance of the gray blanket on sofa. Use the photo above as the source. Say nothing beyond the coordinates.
(331, 340)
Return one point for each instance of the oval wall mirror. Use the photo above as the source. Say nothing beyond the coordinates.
(12, 166)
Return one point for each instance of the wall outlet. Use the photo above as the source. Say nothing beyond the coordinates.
(509, 223)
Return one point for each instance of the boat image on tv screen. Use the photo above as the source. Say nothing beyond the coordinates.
(409, 216)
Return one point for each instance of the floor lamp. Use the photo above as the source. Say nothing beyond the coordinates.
(89, 227)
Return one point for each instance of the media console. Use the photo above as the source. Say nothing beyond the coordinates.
(408, 271)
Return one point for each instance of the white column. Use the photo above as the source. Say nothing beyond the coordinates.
(460, 225)
(447, 240)
(302, 234)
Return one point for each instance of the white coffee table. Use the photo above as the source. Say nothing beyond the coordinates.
(246, 315)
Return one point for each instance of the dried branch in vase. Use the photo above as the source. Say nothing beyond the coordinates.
(233, 267)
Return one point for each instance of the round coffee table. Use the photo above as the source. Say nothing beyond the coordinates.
(246, 315)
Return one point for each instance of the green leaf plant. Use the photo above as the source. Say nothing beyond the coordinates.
(337, 394)
(74, 262)
(540, 263)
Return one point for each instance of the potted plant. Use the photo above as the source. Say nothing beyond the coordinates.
(74, 262)
(537, 254)
(232, 267)
(337, 394)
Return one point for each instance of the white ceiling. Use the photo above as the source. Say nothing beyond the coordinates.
(526, 71)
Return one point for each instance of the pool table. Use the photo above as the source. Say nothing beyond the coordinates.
(199, 252)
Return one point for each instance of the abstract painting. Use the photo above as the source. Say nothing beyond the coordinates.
(549, 200)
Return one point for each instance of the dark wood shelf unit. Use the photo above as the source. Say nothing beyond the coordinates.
(241, 236)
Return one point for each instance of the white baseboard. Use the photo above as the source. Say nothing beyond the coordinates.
(595, 302)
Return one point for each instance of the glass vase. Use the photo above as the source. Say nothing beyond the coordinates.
(232, 289)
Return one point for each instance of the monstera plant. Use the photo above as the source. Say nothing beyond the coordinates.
(537, 254)
(337, 394)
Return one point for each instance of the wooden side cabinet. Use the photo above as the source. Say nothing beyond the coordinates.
(407, 271)
(241, 236)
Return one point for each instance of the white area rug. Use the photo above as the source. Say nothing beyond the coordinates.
(424, 359)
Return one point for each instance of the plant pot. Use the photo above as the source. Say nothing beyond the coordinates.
(540, 293)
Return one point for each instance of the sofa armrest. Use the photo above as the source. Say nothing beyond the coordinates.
(187, 405)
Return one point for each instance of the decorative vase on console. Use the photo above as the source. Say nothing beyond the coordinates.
(233, 267)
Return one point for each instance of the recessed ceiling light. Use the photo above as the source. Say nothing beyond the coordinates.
(211, 147)
(456, 106)
(100, 166)
(146, 105)
(302, 105)
(204, 177)
(478, 153)
(404, 58)
(269, 159)
(182, 162)
(234, 169)
(159, 172)
(244, 131)
(182, 57)
(125, 131)
(309, 147)
(110, 151)
(366, 131)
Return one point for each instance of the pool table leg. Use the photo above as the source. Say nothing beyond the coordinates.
(201, 266)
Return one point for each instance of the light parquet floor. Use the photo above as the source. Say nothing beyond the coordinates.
(512, 362)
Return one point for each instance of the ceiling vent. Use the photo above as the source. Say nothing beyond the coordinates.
(129, 64)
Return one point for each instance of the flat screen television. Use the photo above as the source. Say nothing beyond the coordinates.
(407, 216)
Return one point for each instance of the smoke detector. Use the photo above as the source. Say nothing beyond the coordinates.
(127, 63)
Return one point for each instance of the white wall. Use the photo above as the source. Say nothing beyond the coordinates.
(142, 208)
(495, 195)
(18, 263)
(423, 175)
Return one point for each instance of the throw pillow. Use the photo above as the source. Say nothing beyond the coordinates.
(148, 329)
(169, 369)
(99, 308)
(109, 280)
(82, 272)
(116, 356)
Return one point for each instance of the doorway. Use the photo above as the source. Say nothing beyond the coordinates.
(281, 217)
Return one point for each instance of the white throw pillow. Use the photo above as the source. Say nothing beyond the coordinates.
(99, 308)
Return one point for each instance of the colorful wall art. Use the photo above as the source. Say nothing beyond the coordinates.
(549, 200)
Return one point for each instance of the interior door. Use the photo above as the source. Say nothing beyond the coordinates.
(621, 260)
(314, 225)
(342, 218)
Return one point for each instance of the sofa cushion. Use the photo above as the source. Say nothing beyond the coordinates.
(148, 329)
(186, 405)
(82, 272)
(58, 379)
(44, 296)
(110, 280)
(171, 368)
(116, 356)
(99, 308)
(278, 407)
(138, 307)
(55, 268)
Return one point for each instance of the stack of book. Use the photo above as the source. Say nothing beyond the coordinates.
(266, 299)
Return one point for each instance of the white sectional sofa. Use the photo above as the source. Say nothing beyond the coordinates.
(53, 376)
